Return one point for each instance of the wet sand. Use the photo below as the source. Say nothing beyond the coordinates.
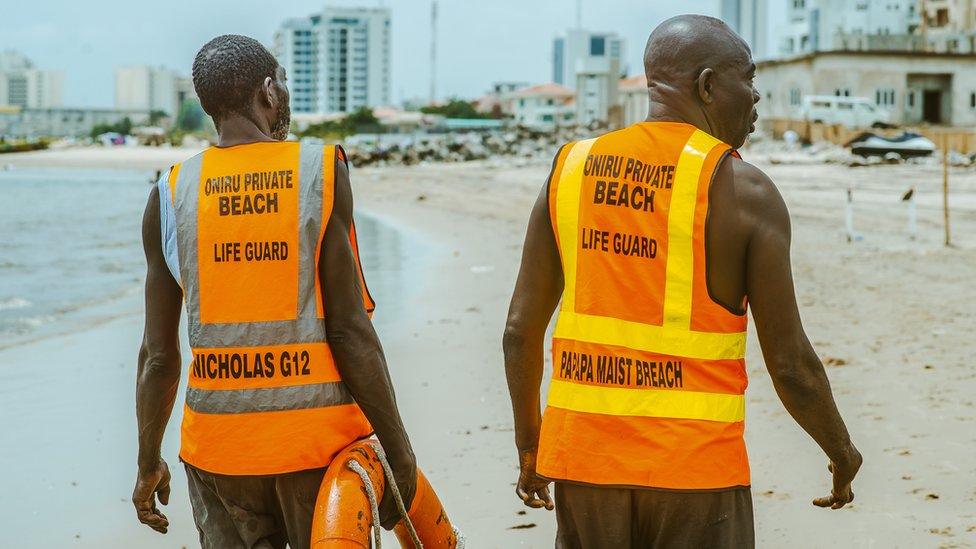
(892, 318)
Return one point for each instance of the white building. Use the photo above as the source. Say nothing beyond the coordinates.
(579, 49)
(337, 60)
(633, 97)
(148, 88)
(949, 25)
(828, 25)
(597, 81)
(31, 123)
(914, 87)
(590, 63)
(750, 20)
(23, 85)
(542, 106)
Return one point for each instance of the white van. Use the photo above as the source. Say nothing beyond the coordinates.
(852, 112)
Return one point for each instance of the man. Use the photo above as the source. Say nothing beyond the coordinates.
(655, 237)
(257, 236)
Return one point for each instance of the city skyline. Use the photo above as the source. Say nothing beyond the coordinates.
(89, 47)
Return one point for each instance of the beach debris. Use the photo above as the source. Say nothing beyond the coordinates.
(833, 361)
(517, 143)
(522, 526)
(931, 496)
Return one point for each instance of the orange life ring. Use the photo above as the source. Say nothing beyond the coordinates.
(343, 514)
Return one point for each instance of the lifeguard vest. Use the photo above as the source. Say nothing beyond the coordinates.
(649, 372)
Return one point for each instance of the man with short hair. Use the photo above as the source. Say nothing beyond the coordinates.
(256, 235)
(655, 238)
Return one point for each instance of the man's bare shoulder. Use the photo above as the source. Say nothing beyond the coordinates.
(756, 196)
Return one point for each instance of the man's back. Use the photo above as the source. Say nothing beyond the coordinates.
(640, 348)
(723, 239)
(264, 394)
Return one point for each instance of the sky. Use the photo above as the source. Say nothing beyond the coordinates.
(479, 42)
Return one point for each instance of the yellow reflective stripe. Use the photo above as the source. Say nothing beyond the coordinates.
(681, 222)
(567, 216)
(624, 401)
(666, 340)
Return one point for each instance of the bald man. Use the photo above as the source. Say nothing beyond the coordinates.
(656, 239)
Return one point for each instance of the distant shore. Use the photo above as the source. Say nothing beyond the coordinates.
(94, 156)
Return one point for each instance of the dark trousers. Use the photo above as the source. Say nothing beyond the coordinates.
(253, 512)
(592, 517)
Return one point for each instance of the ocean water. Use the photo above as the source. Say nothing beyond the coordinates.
(71, 251)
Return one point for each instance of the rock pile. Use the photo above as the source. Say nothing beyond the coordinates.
(519, 142)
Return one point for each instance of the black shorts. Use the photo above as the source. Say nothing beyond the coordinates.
(595, 517)
(253, 512)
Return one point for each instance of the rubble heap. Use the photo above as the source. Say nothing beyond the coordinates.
(520, 142)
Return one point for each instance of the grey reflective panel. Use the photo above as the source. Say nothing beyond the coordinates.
(250, 334)
(307, 327)
(310, 225)
(271, 399)
(187, 198)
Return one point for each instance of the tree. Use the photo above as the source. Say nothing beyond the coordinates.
(191, 116)
(455, 108)
(155, 116)
(123, 127)
(361, 120)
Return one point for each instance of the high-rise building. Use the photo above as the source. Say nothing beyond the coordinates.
(750, 20)
(23, 85)
(337, 60)
(949, 25)
(580, 49)
(590, 63)
(830, 25)
(148, 88)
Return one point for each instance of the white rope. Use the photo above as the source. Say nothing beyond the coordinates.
(371, 495)
(391, 484)
(356, 467)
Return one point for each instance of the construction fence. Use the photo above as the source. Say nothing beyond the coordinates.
(961, 140)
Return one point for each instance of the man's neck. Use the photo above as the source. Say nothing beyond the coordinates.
(239, 130)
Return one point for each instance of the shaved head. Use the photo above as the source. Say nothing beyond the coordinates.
(686, 44)
(696, 62)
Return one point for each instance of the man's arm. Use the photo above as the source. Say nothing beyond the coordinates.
(356, 347)
(159, 372)
(797, 373)
(537, 292)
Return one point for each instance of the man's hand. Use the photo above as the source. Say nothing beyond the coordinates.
(405, 476)
(532, 489)
(151, 482)
(843, 471)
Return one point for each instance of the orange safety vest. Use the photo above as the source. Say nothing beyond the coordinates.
(264, 395)
(649, 378)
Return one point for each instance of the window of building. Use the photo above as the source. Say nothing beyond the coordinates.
(598, 46)
(884, 97)
(910, 97)
(795, 96)
(972, 100)
(842, 92)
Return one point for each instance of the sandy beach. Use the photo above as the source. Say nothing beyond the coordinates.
(891, 317)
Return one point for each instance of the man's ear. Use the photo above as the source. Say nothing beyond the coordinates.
(705, 84)
(269, 92)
